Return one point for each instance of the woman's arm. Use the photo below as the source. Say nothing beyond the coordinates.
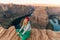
(21, 29)
(25, 31)
(27, 28)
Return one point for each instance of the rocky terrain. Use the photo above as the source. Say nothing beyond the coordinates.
(39, 17)
(10, 12)
(39, 21)
(36, 34)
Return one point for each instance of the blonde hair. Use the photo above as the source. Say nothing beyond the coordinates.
(24, 24)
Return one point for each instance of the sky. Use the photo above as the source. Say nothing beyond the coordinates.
(55, 2)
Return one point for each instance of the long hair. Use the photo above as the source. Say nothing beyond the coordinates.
(24, 24)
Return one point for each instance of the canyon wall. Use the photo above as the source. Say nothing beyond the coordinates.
(39, 17)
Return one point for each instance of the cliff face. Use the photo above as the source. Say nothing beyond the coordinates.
(36, 34)
(10, 12)
(53, 10)
(39, 17)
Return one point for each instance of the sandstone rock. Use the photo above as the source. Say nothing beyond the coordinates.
(36, 34)
(53, 10)
(40, 17)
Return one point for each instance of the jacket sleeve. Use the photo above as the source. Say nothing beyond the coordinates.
(21, 29)
(26, 29)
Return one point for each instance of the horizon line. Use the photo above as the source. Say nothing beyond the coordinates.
(44, 5)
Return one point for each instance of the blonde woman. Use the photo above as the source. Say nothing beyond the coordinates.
(25, 30)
